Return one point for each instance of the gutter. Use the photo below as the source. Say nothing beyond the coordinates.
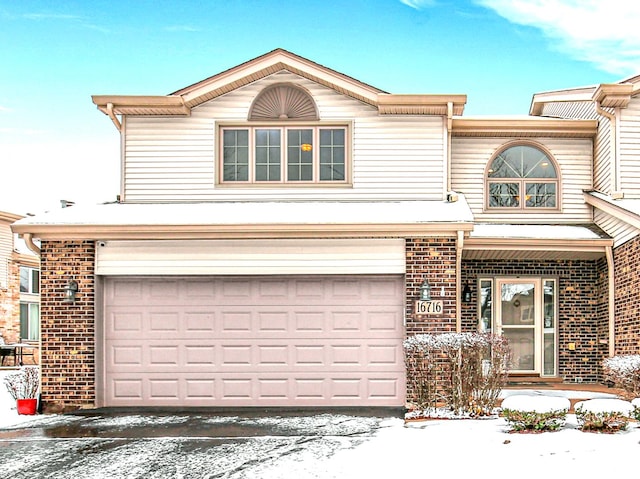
(28, 239)
(459, 248)
(449, 129)
(113, 117)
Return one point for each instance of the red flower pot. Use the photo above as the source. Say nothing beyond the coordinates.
(27, 407)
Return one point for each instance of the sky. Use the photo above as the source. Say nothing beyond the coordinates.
(54, 54)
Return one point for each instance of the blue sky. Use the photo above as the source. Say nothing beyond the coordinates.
(55, 54)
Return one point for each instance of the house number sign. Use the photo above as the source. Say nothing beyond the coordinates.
(429, 307)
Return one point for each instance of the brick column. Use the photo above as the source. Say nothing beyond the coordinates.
(67, 330)
(433, 259)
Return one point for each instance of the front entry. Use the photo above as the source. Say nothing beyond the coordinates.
(525, 313)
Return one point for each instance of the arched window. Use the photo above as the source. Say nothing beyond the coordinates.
(522, 177)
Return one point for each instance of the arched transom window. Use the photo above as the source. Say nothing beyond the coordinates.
(522, 177)
(284, 142)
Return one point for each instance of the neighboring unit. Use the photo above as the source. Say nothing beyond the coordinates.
(278, 222)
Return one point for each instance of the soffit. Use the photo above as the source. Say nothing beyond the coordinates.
(536, 242)
(524, 127)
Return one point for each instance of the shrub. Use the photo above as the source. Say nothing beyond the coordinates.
(24, 384)
(635, 414)
(534, 421)
(535, 413)
(464, 371)
(624, 372)
(603, 415)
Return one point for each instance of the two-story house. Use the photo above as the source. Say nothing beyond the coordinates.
(277, 223)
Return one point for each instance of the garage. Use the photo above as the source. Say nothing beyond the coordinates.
(253, 340)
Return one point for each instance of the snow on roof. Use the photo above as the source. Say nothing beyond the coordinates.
(262, 212)
(569, 232)
(631, 205)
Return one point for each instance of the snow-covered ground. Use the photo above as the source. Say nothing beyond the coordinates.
(458, 448)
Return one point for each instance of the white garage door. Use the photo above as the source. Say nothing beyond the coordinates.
(254, 341)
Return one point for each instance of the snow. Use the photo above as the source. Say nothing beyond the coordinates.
(539, 404)
(478, 448)
(605, 405)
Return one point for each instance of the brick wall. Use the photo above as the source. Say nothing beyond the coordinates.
(627, 262)
(67, 330)
(433, 259)
(10, 305)
(582, 308)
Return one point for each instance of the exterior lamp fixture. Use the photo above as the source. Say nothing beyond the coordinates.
(466, 293)
(70, 292)
(425, 291)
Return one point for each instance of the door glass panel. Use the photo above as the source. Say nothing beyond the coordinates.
(549, 328)
(518, 321)
(486, 310)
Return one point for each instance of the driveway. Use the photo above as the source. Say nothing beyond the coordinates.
(112, 444)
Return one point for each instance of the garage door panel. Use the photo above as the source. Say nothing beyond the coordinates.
(262, 341)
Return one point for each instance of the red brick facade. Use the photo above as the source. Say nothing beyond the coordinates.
(67, 330)
(582, 308)
(627, 261)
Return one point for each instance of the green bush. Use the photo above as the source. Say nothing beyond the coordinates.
(535, 421)
(612, 421)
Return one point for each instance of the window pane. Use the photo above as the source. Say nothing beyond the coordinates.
(267, 156)
(235, 155)
(486, 309)
(24, 280)
(504, 195)
(35, 281)
(332, 154)
(541, 195)
(522, 162)
(300, 155)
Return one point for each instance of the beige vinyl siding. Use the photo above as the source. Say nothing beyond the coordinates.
(393, 157)
(251, 257)
(620, 231)
(6, 247)
(629, 142)
(469, 157)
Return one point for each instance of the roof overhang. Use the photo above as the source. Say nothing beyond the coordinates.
(535, 242)
(9, 217)
(617, 95)
(182, 101)
(570, 95)
(626, 210)
(251, 220)
(524, 127)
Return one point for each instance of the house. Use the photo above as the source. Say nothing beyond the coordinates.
(282, 227)
(19, 285)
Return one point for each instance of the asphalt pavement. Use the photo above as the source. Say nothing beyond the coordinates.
(184, 444)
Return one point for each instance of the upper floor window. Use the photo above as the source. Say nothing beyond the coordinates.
(522, 177)
(284, 143)
(29, 280)
(284, 154)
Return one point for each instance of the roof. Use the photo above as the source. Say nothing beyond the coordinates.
(182, 101)
(611, 95)
(625, 209)
(272, 219)
(523, 126)
(536, 241)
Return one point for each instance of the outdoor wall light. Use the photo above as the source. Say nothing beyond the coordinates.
(70, 292)
(425, 291)
(466, 293)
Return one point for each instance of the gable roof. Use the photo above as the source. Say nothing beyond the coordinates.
(182, 101)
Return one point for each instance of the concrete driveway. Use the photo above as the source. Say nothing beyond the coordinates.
(112, 444)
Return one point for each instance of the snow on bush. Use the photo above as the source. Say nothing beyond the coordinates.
(624, 372)
(463, 371)
(603, 415)
(525, 412)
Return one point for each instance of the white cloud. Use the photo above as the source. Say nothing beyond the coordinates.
(419, 4)
(601, 32)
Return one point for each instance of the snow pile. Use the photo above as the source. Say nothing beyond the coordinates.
(539, 404)
(605, 406)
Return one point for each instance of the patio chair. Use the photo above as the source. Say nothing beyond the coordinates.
(6, 352)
